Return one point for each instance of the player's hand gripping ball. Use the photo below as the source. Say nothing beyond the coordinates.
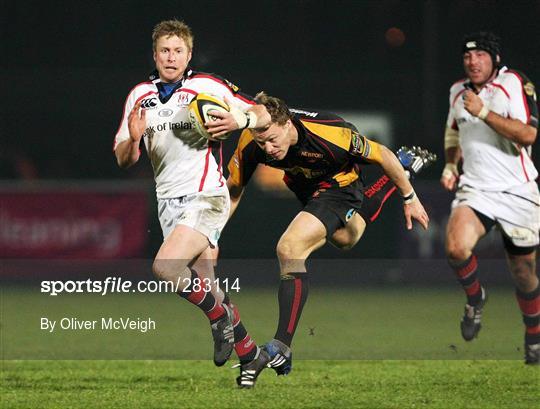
(198, 113)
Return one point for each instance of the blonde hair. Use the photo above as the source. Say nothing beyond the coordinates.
(277, 108)
(172, 28)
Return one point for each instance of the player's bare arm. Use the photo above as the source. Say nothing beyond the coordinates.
(127, 152)
(235, 192)
(512, 129)
(452, 153)
(412, 207)
(255, 117)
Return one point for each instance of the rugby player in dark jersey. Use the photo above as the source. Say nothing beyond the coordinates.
(322, 156)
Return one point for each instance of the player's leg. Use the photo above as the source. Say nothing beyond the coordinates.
(347, 236)
(173, 261)
(305, 234)
(190, 224)
(246, 349)
(204, 265)
(518, 216)
(522, 264)
(465, 227)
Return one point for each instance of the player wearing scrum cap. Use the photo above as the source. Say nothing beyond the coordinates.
(492, 123)
(193, 201)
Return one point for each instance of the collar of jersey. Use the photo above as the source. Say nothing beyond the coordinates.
(467, 84)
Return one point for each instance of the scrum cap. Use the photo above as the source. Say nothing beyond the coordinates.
(486, 41)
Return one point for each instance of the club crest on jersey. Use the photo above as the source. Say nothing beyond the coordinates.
(184, 99)
(149, 103)
(359, 145)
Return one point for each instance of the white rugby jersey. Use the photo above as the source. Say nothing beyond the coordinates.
(490, 161)
(179, 167)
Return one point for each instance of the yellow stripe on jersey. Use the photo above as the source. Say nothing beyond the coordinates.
(335, 134)
(345, 178)
(235, 164)
(374, 154)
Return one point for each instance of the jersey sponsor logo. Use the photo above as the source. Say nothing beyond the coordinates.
(149, 132)
(529, 90)
(149, 103)
(306, 113)
(180, 125)
(167, 126)
(165, 112)
(349, 214)
(377, 186)
(311, 154)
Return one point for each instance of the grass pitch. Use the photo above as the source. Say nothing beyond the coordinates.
(312, 384)
(365, 348)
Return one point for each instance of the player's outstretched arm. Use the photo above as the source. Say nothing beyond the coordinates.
(255, 117)
(412, 207)
(127, 152)
(415, 210)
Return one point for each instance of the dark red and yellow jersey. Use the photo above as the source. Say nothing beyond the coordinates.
(328, 154)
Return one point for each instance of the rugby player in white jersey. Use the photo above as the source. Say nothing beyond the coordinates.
(492, 123)
(193, 200)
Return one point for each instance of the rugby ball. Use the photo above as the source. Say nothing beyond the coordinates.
(198, 112)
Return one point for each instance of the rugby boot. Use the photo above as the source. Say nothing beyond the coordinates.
(470, 323)
(223, 334)
(280, 356)
(250, 371)
(415, 159)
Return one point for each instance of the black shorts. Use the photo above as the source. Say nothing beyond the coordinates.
(335, 206)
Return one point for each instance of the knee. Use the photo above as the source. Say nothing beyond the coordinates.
(287, 250)
(345, 240)
(284, 250)
(523, 271)
(158, 269)
(455, 250)
(343, 243)
(163, 270)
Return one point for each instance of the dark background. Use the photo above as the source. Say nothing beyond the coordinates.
(67, 68)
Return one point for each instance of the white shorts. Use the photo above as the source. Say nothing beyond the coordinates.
(516, 210)
(207, 212)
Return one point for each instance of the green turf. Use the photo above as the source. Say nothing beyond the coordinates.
(365, 347)
(320, 384)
